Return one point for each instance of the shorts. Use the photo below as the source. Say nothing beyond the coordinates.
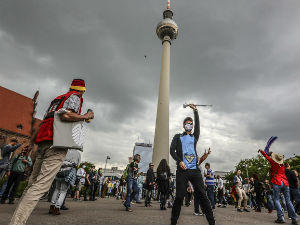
(79, 186)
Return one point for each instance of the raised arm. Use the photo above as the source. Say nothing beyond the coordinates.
(265, 155)
(197, 125)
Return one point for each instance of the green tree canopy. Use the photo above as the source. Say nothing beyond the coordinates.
(258, 165)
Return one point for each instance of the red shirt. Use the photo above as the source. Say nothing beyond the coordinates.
(277, 171)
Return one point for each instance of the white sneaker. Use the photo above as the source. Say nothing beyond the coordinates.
(198, 214)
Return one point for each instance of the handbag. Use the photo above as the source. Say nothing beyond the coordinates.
(68, 135)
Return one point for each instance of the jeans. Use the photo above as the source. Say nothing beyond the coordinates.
(148, 196)
(295, 195)
(195, 177)
(13, 182)
(60, 193)
(139, 195)
(211, 195)
(4, 185)
(100, 190)
(286, 192)
(132, 190)
(270, 201)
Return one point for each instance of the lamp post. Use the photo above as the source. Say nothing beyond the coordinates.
(107, 157)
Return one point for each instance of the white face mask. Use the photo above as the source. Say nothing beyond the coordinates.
(188, 127)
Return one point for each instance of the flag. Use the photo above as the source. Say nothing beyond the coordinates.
(269, 143)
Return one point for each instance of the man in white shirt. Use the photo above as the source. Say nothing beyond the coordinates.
(220, 188)
(81, 181)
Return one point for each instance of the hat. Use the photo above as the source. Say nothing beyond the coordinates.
(187, 119)
(78, 84)
(277, 158)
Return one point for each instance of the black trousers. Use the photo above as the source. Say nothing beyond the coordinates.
(91, 188)
(195, 177)
(13, 182)
(261, 201)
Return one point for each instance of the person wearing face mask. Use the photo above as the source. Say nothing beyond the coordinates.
(183, 150)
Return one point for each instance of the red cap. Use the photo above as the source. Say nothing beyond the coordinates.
(78, 84)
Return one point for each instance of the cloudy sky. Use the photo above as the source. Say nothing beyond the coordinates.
(242, 56)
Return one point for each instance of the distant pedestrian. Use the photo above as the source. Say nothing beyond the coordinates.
(210, 184)
(259, 190)
(65, 178)
(80, 176)
(220, 190)
(6, 151)
(132, 187)
(90, 184)
(16, 171)
(242, 197)
(163, 176)
(294, 184)
(150, 182)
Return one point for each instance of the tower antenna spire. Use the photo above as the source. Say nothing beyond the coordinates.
(168, 5)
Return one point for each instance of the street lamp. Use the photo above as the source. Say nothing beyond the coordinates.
(107, 157)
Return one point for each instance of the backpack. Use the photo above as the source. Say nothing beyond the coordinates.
(125, 173)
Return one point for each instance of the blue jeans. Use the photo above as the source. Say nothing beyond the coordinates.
(139, 195)
(270, 201)
(276, 196)
(211, 195)
(132, 190)
(295, 195)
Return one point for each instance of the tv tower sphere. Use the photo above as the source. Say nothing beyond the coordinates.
(167, 27)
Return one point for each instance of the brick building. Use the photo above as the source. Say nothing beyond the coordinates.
(17, 117)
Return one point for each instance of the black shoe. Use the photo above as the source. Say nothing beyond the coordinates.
(64, 208)
(279, 221)
(173, 222)
(239, 210)
(295, 222)
(246, 210)
(2, 201)
(11, 202)
(85, 199)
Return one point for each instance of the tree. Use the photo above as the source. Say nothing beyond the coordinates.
(248, 167)
(88, 166)
(258, 165)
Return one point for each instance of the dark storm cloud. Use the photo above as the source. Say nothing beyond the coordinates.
(241, 56)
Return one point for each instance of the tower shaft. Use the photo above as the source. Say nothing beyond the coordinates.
(161, 138)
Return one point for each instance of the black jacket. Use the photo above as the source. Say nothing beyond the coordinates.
(176, 145)
(150, 176)
(292, 178)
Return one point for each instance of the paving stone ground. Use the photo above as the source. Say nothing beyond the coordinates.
(111, 211)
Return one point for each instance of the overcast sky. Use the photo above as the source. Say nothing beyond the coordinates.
(242, 56)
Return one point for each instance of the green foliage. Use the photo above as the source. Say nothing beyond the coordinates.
(88, 166)
(248, 167)
(258, 165)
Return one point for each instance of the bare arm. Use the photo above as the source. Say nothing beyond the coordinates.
(71, 116)
(204, 156)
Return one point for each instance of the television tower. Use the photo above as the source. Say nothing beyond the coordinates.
(166, 31)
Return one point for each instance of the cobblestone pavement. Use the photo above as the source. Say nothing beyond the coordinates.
(111, 211)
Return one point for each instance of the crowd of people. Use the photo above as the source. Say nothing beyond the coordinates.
(59, 172)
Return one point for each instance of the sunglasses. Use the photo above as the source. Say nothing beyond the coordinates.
(189, 123)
